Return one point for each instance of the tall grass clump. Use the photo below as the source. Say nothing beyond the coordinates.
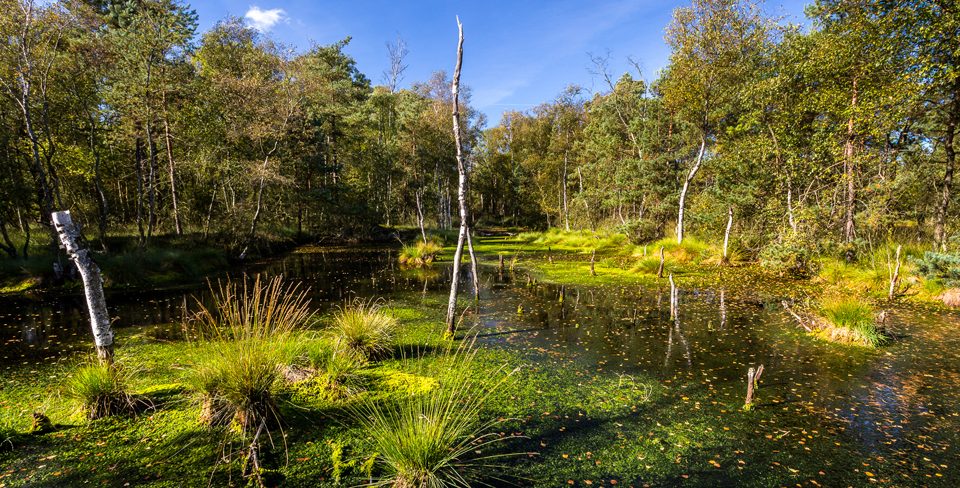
(437, 438)
(100, 390)
(337, 369)
(247, 338)
(364, 328)
(420, 254)
(850, 321)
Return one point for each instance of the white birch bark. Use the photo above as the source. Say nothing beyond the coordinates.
(92, 284)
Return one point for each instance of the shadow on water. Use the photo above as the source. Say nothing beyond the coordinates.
(902, 398)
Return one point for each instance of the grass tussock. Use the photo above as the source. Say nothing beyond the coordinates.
(246, 342)
(420, 254)
(849, 321)
(100, 390)
(436, 438)
(336, 369)
(364, 328)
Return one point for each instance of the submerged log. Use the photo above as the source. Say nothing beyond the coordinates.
(92, 284)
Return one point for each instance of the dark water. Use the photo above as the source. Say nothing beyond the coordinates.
(900, 399)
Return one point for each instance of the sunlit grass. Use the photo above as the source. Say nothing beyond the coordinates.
(420, 254)
(850, 321)
(100, 390)
(436, 438)
(364, 328)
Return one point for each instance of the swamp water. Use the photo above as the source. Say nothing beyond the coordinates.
(825, 415)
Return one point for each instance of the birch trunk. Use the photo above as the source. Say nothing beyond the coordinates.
(462, 187)
(726, 235)
(92, 284)
(686, 186)
(849, 166)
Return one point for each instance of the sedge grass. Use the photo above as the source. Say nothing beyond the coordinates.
(364, 328)
(100, 390)
(437, 438)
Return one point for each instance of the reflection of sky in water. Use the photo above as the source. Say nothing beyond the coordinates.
(894, 402)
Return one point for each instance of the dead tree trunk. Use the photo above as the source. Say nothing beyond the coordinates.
(849, 166)
(473, 267)
(895, 276)
(423, 232)
(726, 235)
(462, 187)
(593, 260)
(686, 187)
(660, 268)
(753, 376)
(92, 284)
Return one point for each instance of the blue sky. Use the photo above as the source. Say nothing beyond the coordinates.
(517, 54)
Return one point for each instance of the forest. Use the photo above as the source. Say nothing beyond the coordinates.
(293, 306)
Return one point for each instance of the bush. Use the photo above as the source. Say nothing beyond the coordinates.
(364, 328)
(792, 256)
(100, 390)
(641, 230)
(940, 266)
(850, 321)
(436, 438)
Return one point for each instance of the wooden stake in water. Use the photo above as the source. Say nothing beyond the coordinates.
(660, 269)
(753, 376)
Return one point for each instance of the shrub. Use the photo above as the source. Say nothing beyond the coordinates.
(850, 321)
(420, 254)
(364, 328)
(640, 231)
(792, 256)
(940, 266)
(434, 439)
(100, 390)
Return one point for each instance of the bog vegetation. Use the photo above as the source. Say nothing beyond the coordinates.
(818, 158)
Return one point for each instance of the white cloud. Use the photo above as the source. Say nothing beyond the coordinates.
(264, 20)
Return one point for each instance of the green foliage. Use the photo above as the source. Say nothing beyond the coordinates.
(246, 342)
(100, 390)
(420, 254)
(436, 438)
(940, 266)
(641, 231)
(792, 256)
(337, 367)
(364, 328)
(850, 321)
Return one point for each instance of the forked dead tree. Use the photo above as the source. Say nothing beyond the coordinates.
(92, 284)
(464, 235)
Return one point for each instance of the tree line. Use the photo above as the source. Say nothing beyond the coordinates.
(820, 139)
(124, 113)
(824, 138)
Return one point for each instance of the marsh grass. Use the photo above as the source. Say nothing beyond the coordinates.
(337, 369)
(420, 254)
(245, 341)
(101, 390)
(436, 438)
(850, 321)
(363, 327)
